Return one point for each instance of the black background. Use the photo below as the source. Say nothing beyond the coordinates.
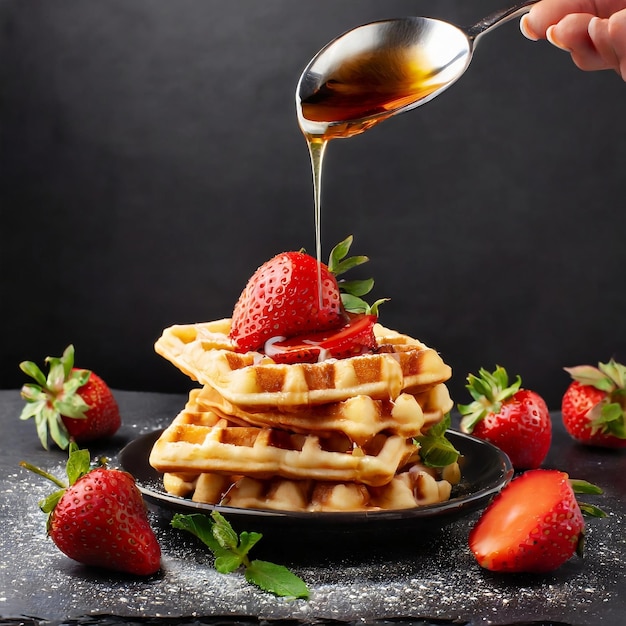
(150, 160)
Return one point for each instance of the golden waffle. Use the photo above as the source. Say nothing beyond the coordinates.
(201, 441)
(417, 486)
(359, 417)
(205, 353)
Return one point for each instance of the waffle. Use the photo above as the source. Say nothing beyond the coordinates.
(205, 353)
(200, 441)
(418, 486)
(360, 417)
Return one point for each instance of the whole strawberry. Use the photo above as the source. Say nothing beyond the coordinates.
(281, 298)
(294, 309)
(594, 405)
(100, 518)
(514, 419)
(534, 524)
(68, 403)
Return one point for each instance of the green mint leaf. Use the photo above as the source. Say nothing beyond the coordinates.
(276, 579)
(247, 540)
(228, 563)
(201, 527)
(224, 533)
(435, 449)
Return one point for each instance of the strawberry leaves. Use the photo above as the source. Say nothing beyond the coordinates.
(231, 552)
(54, 395)
(352, 290)
(585, 487)
(607, 377)
(489, 390)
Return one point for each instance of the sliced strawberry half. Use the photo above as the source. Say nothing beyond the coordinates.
(354, 338)
(534, 525)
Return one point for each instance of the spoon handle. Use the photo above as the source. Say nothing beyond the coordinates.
(497, 18)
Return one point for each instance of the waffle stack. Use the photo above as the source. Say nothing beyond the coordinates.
(337, 435)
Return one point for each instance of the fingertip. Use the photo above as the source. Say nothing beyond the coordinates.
(551, 37)
(527, 31)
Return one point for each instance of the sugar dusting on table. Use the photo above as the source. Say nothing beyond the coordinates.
(437, 578)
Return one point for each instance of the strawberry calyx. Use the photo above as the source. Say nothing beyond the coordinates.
(54, 396)
(354, 338)
(534, 524)
(489, 391)
(352, 290)
(78, 464)
(608, 416)
(584, 487)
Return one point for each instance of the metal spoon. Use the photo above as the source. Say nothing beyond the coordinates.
(384, 68)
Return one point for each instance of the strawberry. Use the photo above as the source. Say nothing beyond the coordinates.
(514, 419)
(533, 525)
(281, 298)
(354, 338)
(69, 403)
(594, 405)
(100, 519)
(292, 296)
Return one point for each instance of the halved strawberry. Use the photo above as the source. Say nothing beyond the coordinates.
(535, 524)
(354, 338)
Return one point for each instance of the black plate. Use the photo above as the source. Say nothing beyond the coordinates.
(485, 471)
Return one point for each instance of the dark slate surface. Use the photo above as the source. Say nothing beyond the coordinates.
(421, 580)
(151, 160)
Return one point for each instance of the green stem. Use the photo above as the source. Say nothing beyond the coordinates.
(38, 470)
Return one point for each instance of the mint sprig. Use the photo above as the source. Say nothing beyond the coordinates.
(231, 553)
(436, 450)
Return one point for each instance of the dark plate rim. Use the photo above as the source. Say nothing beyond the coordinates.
(133, 458)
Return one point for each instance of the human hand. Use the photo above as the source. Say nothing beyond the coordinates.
(592, 31)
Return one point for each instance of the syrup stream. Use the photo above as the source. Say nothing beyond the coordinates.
(317, 147)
